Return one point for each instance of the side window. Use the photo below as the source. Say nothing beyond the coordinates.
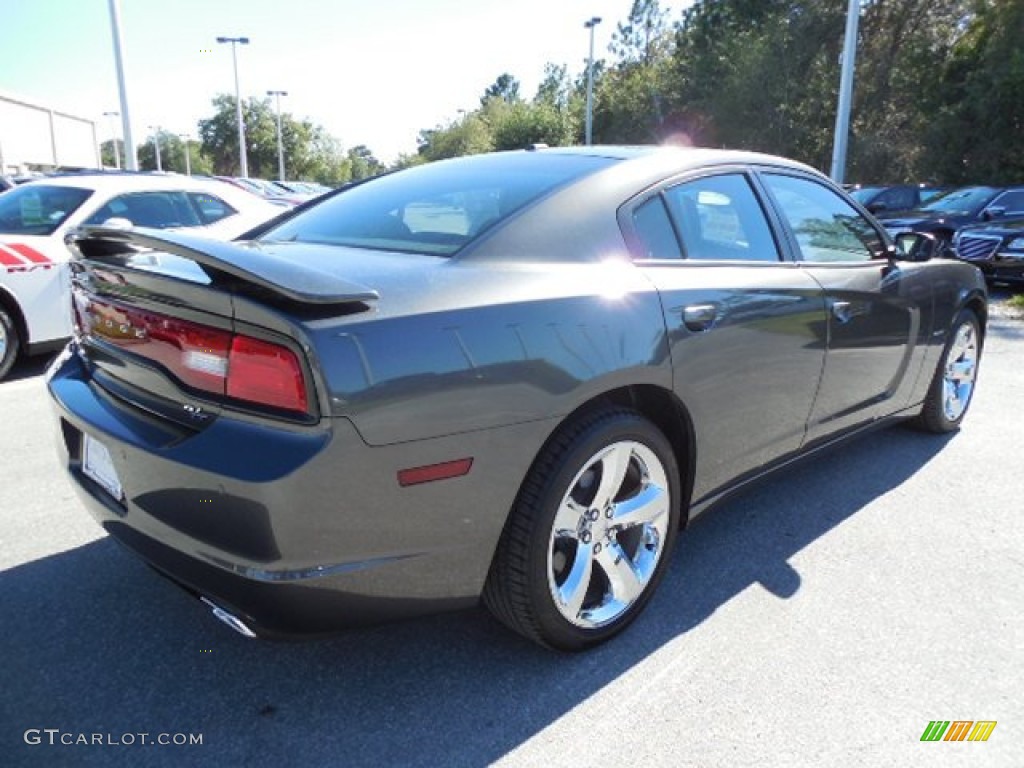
(159, 210)
(719, 217)
(210, 208)
(654, 230)
(827, 228)
(899, 199)
(1012, 201)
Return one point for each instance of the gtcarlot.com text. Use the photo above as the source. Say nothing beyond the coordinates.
(57, 737)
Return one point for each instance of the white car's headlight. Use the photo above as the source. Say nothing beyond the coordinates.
(1017, 244)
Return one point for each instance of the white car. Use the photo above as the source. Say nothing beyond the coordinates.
(35, 303)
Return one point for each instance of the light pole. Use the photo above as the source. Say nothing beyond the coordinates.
(243, 160)
(280, 144)
(188, 160)
(845, 93)
(131, 161)
(156, 143)
(590, 24)
(113, 138)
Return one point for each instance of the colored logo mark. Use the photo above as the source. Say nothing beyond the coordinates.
(958, 730)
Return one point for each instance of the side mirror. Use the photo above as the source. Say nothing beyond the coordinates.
(994, 212)
(877, 207)
(916, 246)
(118, 222)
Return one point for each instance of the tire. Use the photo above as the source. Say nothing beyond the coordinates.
(9, 343)
(952, 387)
(589, 536)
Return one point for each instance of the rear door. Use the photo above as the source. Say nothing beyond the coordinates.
(878, 310)
(746, 329)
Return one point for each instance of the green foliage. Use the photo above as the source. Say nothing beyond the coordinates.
(505, 88)
(310, 152)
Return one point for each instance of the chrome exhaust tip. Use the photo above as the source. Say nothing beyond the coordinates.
(229, 618)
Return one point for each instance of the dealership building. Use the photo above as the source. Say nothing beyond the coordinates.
(37, 137)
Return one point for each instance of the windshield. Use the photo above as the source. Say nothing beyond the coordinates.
(436, 208)
(966, 200)
(864, 195)
(38, 209)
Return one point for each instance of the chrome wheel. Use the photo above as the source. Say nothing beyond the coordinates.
(958, 376)
(609, 534)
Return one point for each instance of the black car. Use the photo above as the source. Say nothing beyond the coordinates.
(890, 199)
(968, 205)
(996, 249)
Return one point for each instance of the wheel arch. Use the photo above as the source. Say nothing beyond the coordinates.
(668, 413)
(10, 304)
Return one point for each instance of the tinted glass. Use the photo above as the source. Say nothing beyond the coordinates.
(1012, 201)
(37, 209)
(827, 228)
(719, 217)
(865, 195)
(966, 200)
(210, 207)
(157, 210)
(654, 230)
(435, 208)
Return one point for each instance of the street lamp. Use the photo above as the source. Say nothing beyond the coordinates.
(243, 160)
(590, 24)
(131, 161)
(188, 160)
(156, 143)
(280, 145)
(113, 138)
(842, 131)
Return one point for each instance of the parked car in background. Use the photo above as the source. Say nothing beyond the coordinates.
(943, 216)
(511, 375)
(892, 198)
(263, 190)
(35, 217)
(997, 249)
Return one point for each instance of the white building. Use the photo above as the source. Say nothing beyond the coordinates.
(37, 137)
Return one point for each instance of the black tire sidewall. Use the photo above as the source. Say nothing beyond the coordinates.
(616, 427)
(934, 415)
(13, 343)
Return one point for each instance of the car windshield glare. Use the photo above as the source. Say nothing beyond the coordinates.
(964, 200)
(438, 208)
(38, 209)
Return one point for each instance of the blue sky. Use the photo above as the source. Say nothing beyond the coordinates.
(371, 72)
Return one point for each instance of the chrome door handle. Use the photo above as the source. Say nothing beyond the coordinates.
(699, 317)
(842, 311)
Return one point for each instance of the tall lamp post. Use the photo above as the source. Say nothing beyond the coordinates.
(113, 138)
(131, 161)
(590, 24)
(280, 143)
(243, 160)
(156, 143)
(188, 160)
(845, 93)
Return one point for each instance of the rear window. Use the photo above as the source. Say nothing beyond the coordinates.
(38, 209)
(438, 208)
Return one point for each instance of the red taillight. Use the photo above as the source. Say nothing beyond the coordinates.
(265, 373)
(206, 358)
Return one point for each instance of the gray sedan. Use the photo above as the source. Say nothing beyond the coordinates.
(513, 376)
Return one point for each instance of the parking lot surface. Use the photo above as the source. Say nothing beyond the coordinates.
(824, 617)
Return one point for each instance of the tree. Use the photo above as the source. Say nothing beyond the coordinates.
(981, 93)
(505, 88)
(310, 152)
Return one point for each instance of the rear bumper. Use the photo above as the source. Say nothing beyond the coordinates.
(293, 530)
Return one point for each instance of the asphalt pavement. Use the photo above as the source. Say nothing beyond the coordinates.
(822, 618)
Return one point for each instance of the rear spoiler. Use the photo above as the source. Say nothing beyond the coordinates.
(246, 262)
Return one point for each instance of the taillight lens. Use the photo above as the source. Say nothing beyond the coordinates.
(265, 373)
(209, 359)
